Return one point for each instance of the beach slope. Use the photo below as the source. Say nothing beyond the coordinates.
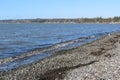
(98, 60)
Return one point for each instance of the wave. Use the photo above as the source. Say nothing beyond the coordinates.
(41, 53)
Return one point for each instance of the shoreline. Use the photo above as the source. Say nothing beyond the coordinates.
(58, 65)
(45, 52)
(61, 23)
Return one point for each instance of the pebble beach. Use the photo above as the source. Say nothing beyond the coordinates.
(98, 60)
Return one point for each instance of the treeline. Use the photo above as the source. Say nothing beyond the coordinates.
(115, 19)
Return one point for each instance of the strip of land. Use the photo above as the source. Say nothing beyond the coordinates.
(111, 20)
(98, 60)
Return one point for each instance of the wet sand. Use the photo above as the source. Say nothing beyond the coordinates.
(87, 62)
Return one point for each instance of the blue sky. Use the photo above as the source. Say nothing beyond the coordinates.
(21, 9)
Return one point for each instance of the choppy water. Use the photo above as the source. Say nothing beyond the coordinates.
(16, 39)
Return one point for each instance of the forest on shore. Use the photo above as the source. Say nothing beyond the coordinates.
(113, 20)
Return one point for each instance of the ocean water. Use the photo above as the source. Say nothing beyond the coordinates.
(17, 39)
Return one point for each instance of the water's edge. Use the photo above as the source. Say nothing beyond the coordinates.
(47, 52)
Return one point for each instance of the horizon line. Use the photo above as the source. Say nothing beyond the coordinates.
(61, 18)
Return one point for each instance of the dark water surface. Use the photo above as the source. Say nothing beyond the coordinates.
(16, 39)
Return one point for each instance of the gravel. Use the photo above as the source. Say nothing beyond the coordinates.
(106, 69)
(98, 60)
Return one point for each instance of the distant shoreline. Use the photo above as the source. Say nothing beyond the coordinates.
(97, 20)
(59, 23)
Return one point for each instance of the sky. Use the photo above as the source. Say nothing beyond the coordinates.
(28, 9)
